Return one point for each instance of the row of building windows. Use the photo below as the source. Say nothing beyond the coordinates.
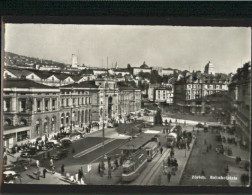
(80, 101)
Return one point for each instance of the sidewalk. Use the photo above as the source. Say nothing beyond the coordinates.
(236, 150)
(182, 161)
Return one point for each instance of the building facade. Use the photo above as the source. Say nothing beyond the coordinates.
(240, 102)
(30, 110)
(189, 91)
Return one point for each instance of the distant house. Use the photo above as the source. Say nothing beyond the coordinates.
(121, 71)
(143, 68)
(167, 71)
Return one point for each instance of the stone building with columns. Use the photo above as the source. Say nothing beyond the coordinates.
(78, 102)
(107, 100)
(30, 110)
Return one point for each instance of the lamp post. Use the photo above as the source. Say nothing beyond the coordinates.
(71, 128)
(185, 146)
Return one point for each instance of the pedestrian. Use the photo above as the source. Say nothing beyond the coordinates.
(169, 177)
(51, 163)
(38, 173)
(176, 164)
(79, 175)
(109, 173)
(37, 163)
(82, 173)
(169, 161)
(99, 168)
(62, 169)
(159, 180)
(172, 153)
(44, 172)
(161, 150)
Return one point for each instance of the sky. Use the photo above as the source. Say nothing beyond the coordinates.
(184, 48)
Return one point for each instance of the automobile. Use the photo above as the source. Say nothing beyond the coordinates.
(49, 145)
(66, 142)
(110, 125)
(55, 143)
(60, 154)
(26, 154)
(76, 135)
(10, 177)
(219, 148)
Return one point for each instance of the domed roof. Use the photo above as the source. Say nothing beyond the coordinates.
(144, 65)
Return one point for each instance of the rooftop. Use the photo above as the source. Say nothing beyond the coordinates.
(24, 83)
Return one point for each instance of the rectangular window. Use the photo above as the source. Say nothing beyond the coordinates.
(23, 105)
(46, 105)
(67, 102)
(7, 105)
(53, 104)
(38, 106)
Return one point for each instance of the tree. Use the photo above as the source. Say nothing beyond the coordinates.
(129, 68)
(155, 77)
(158, 118)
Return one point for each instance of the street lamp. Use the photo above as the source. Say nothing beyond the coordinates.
(185, 146)
(71, 128)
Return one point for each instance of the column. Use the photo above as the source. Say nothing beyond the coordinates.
(43, 105)
(50, 104)
(4, 102)
(35, 104)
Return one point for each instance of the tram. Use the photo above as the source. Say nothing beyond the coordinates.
(135, 157)
(151, 150)
(134, 165)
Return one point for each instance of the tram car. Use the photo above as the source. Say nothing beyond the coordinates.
(134, 164)
(151, 150)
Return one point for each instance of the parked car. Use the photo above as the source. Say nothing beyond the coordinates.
(66, 142)
(26, 154)
(219, 148)
(60, 154)
(55, 143)
(10, 177)
(49, 145)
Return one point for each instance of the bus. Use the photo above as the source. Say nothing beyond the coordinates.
(151, 150)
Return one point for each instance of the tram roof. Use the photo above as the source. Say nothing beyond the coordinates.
(137, 142)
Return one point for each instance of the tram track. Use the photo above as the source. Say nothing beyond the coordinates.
(147, 178)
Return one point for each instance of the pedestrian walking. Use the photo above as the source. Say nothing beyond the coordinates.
(44, 172)
(99, 168)
(161, 150)
(169, 161)
(51, 162)
(38, 173)
(62, 169)
(169, 177)
(109, 173)
(159, 180)
(79, 175)
(37, 163)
